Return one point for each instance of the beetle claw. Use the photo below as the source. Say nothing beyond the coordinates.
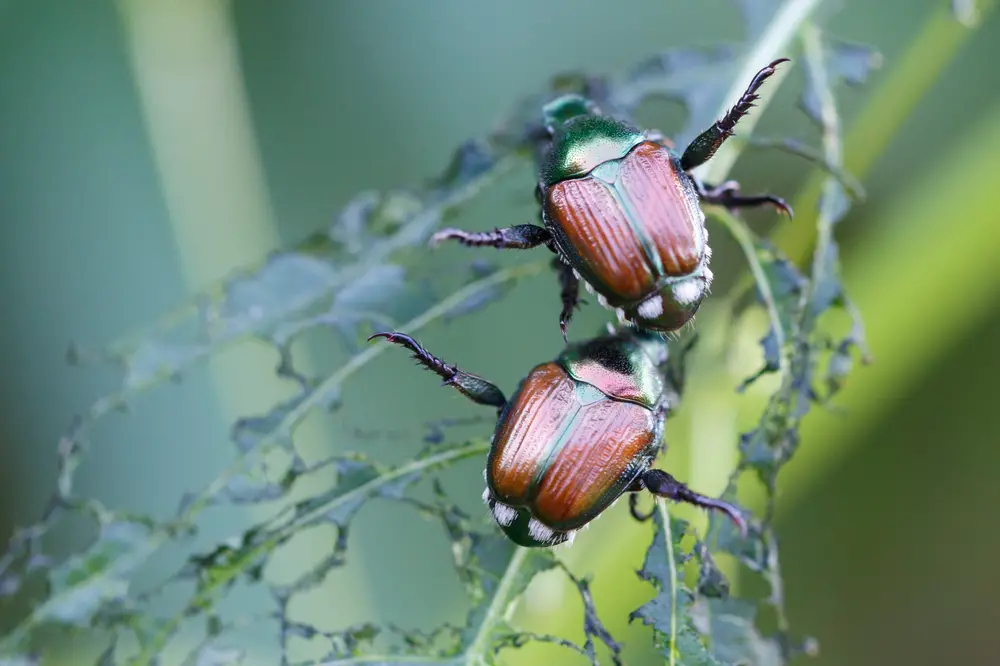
(633, 508)
(783, 207)
(731, 512)
(737, 518)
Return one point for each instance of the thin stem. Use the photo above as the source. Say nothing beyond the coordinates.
(500, 608)
(815, 61)
(777, 591)
(661, 506)
(774, 43)
(807, 152)
(744, 237)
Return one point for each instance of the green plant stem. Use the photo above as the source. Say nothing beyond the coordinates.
(773, 44)
(661, 506)
(830, 120)
(744, 237)
(500, 608)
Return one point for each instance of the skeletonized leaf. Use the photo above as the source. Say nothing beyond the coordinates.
(669, 612)
(735, 637)
(84, 583)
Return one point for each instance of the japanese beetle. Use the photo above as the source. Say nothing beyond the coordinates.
(580, 431)
(621, 211)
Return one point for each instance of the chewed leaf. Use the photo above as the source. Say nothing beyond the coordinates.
(669, 612)
(341, 278)
(285, 284)
(84, 583)
(509, 570)
(827, 291)
(699, 79)
(593, 627)
(845, 62)
(781, 292)
(780, 287)
(852, 63)
(735, 637)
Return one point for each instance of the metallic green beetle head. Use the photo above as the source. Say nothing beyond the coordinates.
(582, 139)
(624, 365)
(566, 107)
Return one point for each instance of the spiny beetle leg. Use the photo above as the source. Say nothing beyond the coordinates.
(475, 388)
(704, 146)
(519, 237)
(728, 195)
(569, 294)
(662, 484)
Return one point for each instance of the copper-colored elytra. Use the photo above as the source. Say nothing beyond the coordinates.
(606, 438)
(597, 226)
(651, 182)
(598, 230)
(541, 406)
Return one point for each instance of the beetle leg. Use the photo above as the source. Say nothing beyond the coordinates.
(633, 504)
(475, 388)
(662, 484)
(569, 294)
(704, 146)
(519, 237)
(728, 195)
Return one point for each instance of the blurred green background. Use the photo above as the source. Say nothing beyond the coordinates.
(148, 148)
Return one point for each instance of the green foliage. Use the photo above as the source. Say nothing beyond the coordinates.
(365, 274)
